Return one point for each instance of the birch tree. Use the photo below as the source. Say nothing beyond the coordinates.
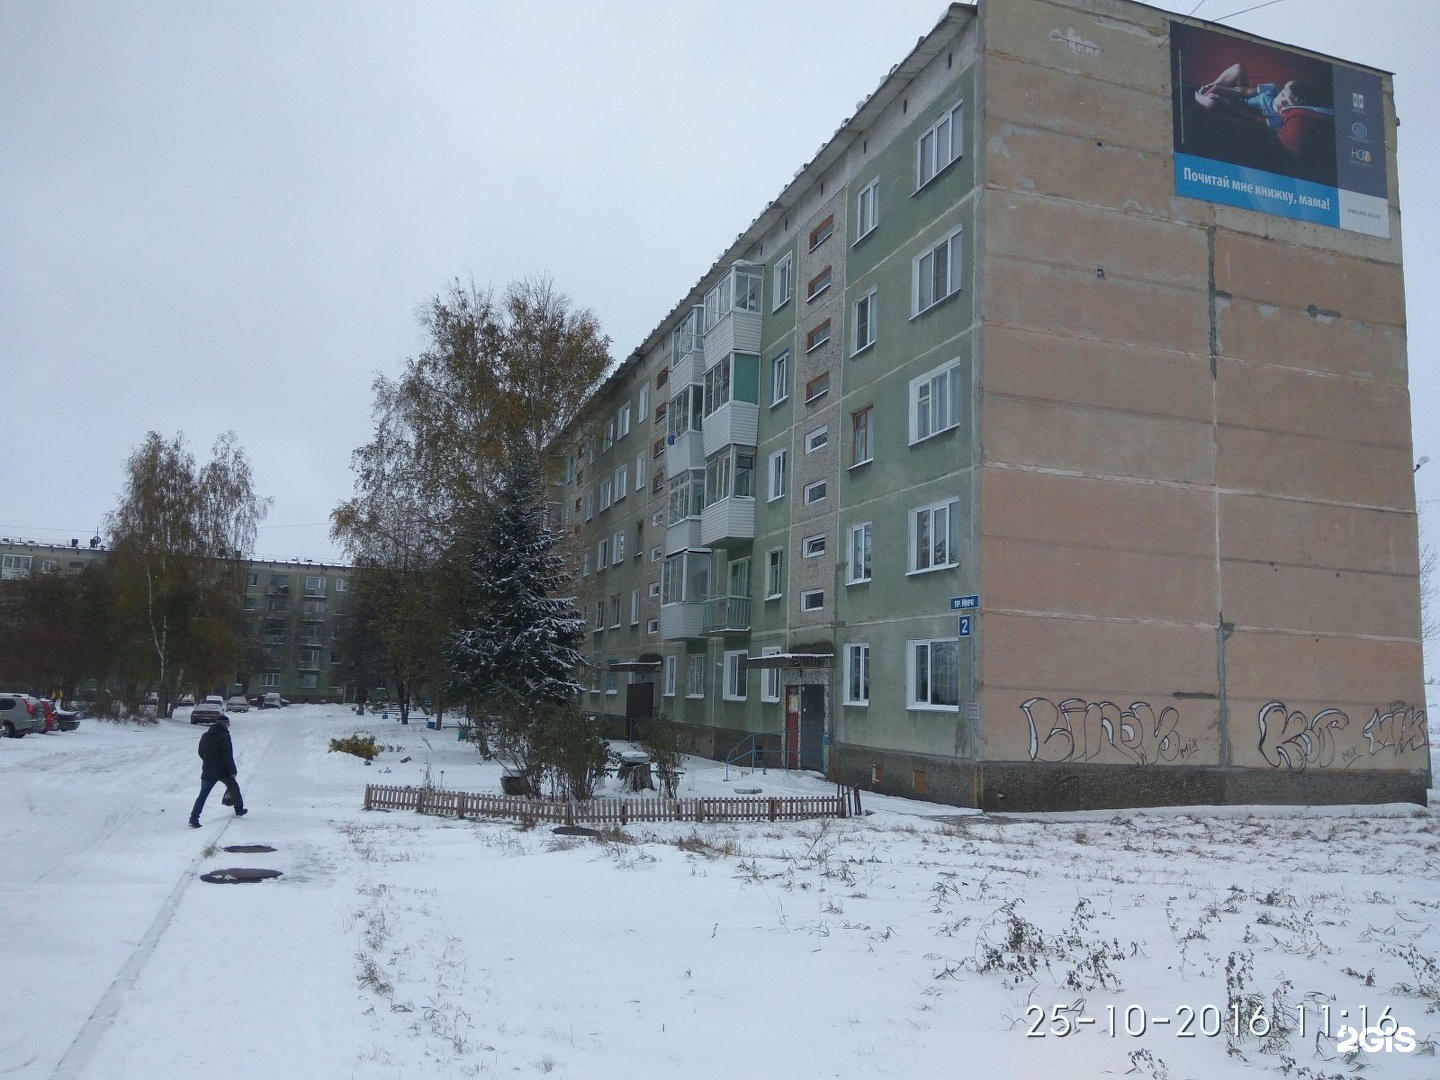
(177, 539)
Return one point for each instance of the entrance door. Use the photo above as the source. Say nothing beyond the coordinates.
(812, 728)
(639, 705)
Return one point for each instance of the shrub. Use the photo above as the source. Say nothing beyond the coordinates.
(362, 746)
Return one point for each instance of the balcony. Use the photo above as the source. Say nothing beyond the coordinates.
(735, 422)
(727, 615)
(687, 451)
(682, 621)
(684, 535)
(728, 519)
(277, 590)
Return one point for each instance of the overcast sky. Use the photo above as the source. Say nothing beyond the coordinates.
(225, 215)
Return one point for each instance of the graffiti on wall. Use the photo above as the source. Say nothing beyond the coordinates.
(1291, 740)
(1101, 732)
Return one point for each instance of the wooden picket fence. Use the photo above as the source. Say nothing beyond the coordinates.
(603, 812)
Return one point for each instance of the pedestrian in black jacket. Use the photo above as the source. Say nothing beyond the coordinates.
(217, 758)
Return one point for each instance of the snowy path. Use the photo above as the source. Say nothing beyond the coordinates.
(91, 876)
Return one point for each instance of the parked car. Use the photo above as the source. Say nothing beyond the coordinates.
(271, 701)
(186, 700)
(237, 704)
(216, 699)
(66, 720)
(207, 712)
(20, 714)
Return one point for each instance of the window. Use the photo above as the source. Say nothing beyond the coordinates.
(309, 681)
(14, 567)
(657, 519)
(309, 658)
(662, 377)
(342, 584)
(773, 566)
(654, 590)
(812, 600)
(817, 387)
(730, 472)
(250, 604)
(821, 232)
(936, 273)
(687, 495)
(644, 407)
(622, 482)
(861, 436)
(314, 607)
(640, 471)
(279, 605)
(859, 553)
(818, 284)
(270, 678)
(589, 504)
(585, 567)
(780, 378)
(609, 434)
(777, 474)
(652, 627)
(602, 558)
(695, 675)
(657, 447)
(717, 386)
(735, 676)
(935, 402)
(657, 553)
(857, 674)
(867, 210)
(934, 674)
(815, 492)
(863, 324)
(614, 611)
(685, 578)
(253, 580)
(605, 492)
(279, 582)
(634, 607)
(624, 422)
(671, 663)
(770, 677)
(599, 614)
(816, 439)
(812, 546)
(933, 536)
(817, 337)
(617, 548)
(783, 286)
(939, 145)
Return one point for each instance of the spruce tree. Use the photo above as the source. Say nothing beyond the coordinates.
(515, 656)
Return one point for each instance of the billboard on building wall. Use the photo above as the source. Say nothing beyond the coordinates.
(1270, 129)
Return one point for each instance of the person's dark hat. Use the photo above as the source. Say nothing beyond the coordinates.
(224, 720)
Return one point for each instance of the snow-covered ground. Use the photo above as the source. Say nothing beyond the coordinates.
(916, 941)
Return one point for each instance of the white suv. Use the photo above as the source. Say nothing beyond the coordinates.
(20, 714)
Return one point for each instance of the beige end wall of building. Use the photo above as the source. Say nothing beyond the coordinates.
(1196, 497)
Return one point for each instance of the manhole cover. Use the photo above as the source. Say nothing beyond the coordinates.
(248, 849)
(238, 874)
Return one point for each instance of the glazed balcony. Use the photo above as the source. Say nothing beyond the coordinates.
(682, 621)
(728, 519)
